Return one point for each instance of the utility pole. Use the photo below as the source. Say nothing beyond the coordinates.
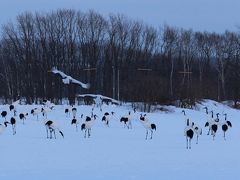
(118, 85)
(113, 82)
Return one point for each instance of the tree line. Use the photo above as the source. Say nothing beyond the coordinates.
(120, 57)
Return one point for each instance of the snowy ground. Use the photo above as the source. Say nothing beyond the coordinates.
(118, 153)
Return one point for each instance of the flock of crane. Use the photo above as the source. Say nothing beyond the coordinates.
(87, 122)
(213, 123)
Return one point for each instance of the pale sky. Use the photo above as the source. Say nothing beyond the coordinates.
(199, 15)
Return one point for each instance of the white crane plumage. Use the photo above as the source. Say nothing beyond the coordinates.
(68, 79)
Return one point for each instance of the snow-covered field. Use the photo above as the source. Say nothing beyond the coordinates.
(120, 153)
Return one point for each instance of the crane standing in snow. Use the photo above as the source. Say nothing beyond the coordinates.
(51, 127)
(13, 107)
(45, 111)
(128, 119)
(189, 132)
(107, 117)
(213, 125)
(13, 123)
(209, 119)
(23, 116)
(197, 130)
(36, 111)
(76, 121)
(74, 112)
(148, 125)
(67, 110)
(225, 126)
(88, 124)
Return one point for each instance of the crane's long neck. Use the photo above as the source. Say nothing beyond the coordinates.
(184, 113)
(5, 124)
(217, 117)
(212, 113)
(225, 116)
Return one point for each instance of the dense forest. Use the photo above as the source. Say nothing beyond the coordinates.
(120, 57)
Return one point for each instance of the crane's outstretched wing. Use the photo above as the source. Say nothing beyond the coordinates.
(86, 86)
(55, 71)
(68, 79)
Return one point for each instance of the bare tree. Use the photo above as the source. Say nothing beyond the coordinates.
(204, 53)
(169, 46)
